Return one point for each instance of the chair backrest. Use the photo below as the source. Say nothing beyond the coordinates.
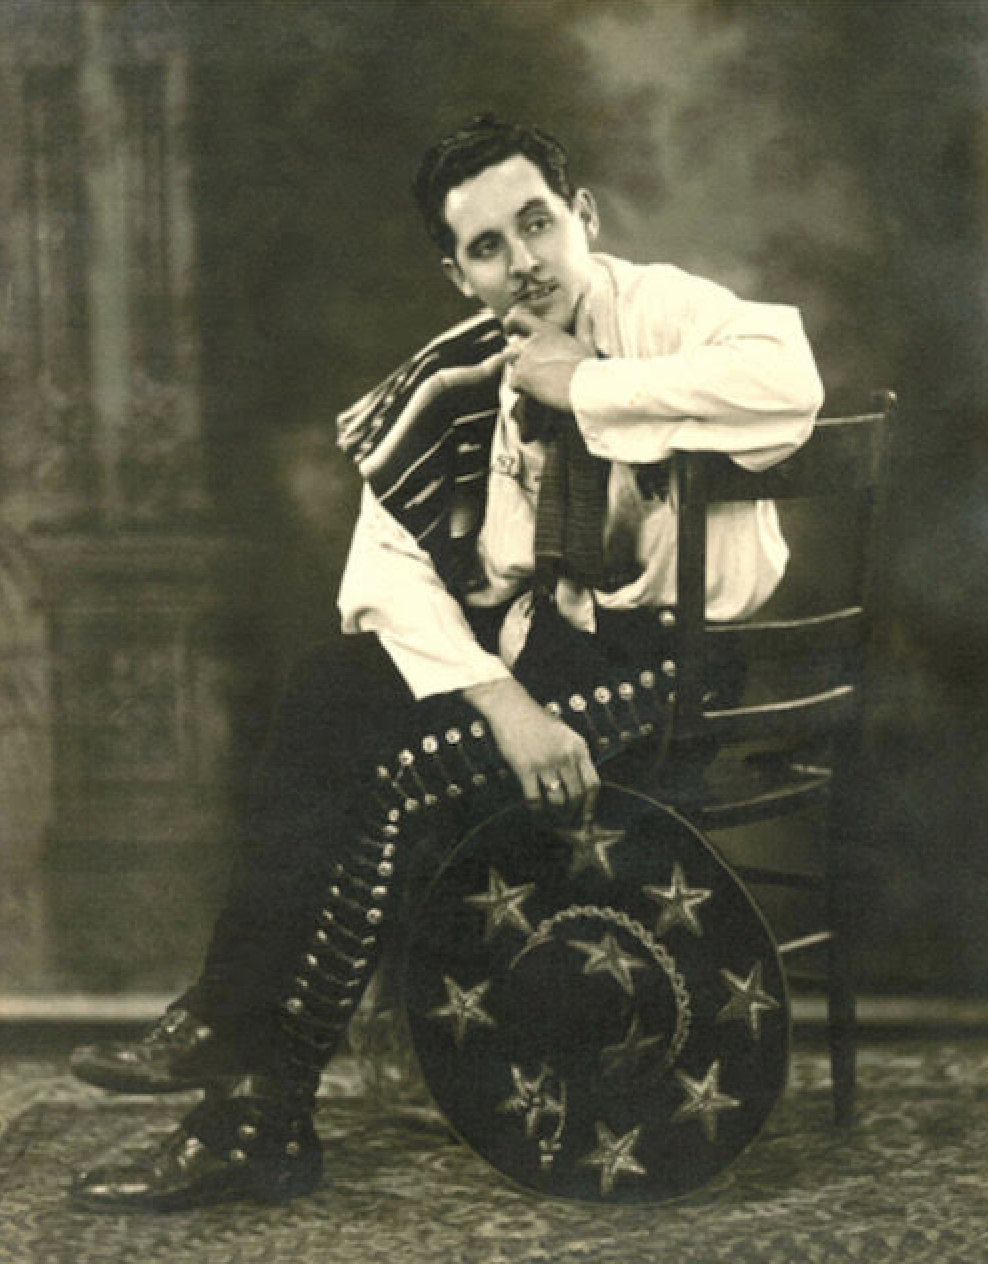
(845, 461)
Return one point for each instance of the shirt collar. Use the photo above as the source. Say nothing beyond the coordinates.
(595, 315)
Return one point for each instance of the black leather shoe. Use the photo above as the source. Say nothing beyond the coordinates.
(230, 1148)
(178, 1052)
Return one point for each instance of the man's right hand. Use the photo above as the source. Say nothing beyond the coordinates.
(551, 761)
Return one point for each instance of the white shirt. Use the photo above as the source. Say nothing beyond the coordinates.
(688, 366)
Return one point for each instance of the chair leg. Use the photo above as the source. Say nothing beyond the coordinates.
(841, 1015)
(841, 1031)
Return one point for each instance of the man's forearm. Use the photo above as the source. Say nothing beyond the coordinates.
(755, 386)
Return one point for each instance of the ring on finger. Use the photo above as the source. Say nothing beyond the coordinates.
(555, 784)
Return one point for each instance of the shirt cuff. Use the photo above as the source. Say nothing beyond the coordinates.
(426, 674)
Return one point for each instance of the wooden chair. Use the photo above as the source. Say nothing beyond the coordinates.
(802, 745)
(798, 749)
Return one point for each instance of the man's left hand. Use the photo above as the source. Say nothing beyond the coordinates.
(544, 360)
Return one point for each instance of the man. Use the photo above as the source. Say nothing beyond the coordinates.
(516, 539)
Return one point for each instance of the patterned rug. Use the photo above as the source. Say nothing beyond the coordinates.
(909, 1183)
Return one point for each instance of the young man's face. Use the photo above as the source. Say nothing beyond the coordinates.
(518, 243)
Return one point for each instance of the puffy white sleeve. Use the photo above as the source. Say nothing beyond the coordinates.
(390, 587)
(701, 369)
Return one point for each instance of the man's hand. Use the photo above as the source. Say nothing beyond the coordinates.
(543, 358)
(551, 762)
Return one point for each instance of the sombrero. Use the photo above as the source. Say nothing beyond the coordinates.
(598, 1011)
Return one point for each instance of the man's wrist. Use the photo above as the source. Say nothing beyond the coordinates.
(570, 374)
(492, 695)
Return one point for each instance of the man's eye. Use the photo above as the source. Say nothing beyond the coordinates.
(539, 224)
(485, 249)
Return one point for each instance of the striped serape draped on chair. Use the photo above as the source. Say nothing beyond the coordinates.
(422, 442)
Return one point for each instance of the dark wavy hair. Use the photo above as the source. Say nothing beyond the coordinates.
(481, 143)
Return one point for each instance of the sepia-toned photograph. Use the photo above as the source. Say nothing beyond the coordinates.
(493, 657)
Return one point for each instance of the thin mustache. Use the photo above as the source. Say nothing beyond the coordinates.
(530, 288)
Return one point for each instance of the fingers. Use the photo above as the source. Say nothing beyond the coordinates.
(561, 787)
(572, 785)
(495, 363)
(519, 320)
(531, 788)
(550, 761)
(591, 789)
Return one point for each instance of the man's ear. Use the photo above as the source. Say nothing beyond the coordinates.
(454, 273)
(585, 205)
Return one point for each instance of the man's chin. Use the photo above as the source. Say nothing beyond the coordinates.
(556, 308)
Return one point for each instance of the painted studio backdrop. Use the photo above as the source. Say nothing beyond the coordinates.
(208, 249)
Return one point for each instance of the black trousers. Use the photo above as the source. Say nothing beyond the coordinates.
(343, 711)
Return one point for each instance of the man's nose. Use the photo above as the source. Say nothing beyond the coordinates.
(521, 259)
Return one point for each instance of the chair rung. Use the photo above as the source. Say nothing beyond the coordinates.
(810, 982)
(793, 719)
(816, 940)
(780, 638)
(776, 800)
(777, 878)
